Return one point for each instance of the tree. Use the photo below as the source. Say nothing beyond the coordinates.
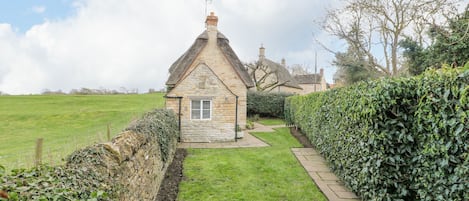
(265, 79)
(416, 60)
(352, 67)
(298, 69)
(376, 27)
(450, 45)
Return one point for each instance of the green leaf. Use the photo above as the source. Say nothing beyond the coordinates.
(410, 138)
(459, 129)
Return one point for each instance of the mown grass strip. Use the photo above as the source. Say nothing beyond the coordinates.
(271, 122)
(270, 173)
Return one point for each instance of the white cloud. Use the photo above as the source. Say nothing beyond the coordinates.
(127, 43)
(107, 44)
(287, 29)
(38, 9)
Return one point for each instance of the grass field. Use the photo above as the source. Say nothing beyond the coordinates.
(65, 122)
(268, 173)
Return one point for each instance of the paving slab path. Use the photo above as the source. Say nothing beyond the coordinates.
(324, 178)
(247, 141)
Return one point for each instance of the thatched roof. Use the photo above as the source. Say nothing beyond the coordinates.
(308, 79)
(180, 66)
(283, 76)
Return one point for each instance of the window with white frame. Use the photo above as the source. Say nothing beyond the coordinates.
(201, 109)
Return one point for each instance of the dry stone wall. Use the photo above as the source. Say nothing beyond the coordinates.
(136, 160)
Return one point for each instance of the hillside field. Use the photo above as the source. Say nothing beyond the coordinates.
(65, 122)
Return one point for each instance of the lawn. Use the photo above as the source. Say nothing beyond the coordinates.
(65, 122)
(269, 173)
(271, 122)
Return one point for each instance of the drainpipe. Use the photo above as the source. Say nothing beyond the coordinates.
(179, 115)
(236, 120)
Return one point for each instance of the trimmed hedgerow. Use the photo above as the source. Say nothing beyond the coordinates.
(394, 139)
(266, 104)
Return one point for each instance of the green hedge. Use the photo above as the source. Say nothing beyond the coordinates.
(266, 104)
(75, 182)
(394, 139)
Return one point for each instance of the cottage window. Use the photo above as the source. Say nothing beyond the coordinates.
(201, 109)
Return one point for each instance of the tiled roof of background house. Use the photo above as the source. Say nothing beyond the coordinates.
(283, 76)
(308, 79)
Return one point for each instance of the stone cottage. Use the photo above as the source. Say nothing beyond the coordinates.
(271, 76)
(312, 82)
(207, 87)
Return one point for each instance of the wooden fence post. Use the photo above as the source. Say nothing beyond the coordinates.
(38, 158)
(108, 132)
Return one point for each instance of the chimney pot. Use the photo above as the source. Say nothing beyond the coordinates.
(261, 52)
(212, 20)
(284, 64)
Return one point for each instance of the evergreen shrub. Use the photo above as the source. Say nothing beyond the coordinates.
(393, 139)
(266, 104)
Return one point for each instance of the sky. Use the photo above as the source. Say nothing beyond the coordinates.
(71, 44)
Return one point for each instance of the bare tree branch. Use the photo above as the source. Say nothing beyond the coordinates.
(264, 78)
(376, 27)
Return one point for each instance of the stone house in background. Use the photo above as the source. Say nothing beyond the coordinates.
(311, 82)
(272, 76)
(207, 87)
(301, 83)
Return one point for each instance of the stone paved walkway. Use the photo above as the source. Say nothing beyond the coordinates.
(247, 141)
(324, 178)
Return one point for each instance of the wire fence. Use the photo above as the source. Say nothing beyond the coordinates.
(42, 152)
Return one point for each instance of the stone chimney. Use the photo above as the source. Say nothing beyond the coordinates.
(261, 53)
(211, 21)
(284, 64)
(321, 72)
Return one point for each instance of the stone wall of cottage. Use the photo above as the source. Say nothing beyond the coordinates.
(285, 89)
(310, 88)
(213, 57)
(210, 76)
(201, 83)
